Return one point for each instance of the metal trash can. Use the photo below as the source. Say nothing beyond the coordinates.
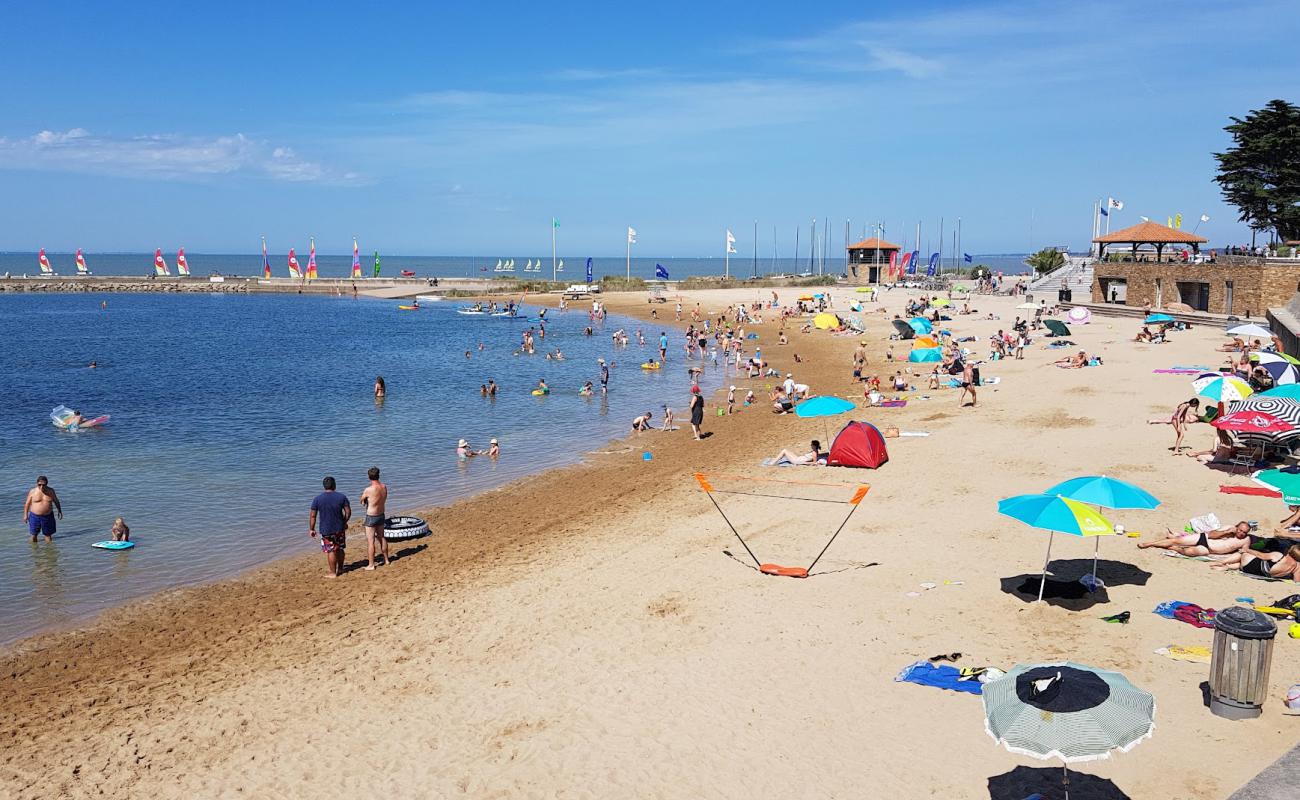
(1240, 661)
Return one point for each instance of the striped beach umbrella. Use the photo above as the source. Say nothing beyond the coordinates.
(1222, 388)
(1282, 368)
(1281, 407)
(1106, 492)
(1067, 711)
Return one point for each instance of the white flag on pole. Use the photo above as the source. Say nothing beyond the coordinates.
(631, 235)
(731, 243)
(1205, 218)
(1145, 219)
(1118, 205)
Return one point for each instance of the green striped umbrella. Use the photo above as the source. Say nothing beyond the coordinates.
(1067, 711)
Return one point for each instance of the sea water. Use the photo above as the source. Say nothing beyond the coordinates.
(227, 410)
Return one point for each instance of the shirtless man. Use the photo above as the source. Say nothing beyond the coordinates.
(1211, 543)
(40, 507)
(372, 499)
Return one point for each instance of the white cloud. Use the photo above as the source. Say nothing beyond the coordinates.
(163, 156)
(910, 64)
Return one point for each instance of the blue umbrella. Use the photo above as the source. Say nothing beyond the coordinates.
(1055, 513)
(920, 324)
(1290, 391)
(1158, 318)
(923, 354)
(823, 407)
(1100, 490)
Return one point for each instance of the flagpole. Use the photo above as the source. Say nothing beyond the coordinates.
(960, 253)
(629, 256)
(726, 258)
(754, 268)
(553, 273)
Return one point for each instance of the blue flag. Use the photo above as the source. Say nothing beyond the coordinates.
(967, 257)
(589, 270)
(934, 262)
(1103, 211)
(916, 260)
(660, 272)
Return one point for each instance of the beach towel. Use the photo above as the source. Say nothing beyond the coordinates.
(1176, 371)
(1167, 608)
(892, 404)
(913, 433)
(1195, 616)
(1254, 491)
(1177, 652)
(1172, 554)
(941, 676)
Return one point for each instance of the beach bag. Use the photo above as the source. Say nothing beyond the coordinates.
(1204, 523)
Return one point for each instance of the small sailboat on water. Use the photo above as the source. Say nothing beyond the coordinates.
(295, 271)
(266, 263)
(560, 267)
(159, 264)
(498, 267)
(311, 261)
(182, 266)
(82, 269)
(356, 259)
(46, 269)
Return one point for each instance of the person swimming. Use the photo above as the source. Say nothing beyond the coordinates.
(586, 389)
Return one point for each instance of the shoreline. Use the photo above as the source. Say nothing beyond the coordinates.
(291, 549)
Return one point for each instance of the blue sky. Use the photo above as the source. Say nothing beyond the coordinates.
(461, 129)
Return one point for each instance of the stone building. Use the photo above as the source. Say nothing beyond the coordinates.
(869, 260)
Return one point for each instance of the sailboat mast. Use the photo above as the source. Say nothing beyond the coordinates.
(754, 269)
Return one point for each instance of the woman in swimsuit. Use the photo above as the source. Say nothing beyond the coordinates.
(380, 388)
(814, 456)
(1184, 415)
(1264, 565)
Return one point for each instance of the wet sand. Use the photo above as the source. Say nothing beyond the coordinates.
(584, 634)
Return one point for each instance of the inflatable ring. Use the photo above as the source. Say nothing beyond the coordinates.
(540, 393)
(649, 366)
(398, 528)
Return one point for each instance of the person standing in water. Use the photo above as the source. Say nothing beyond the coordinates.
(39, 509)
(373, 499)
(332, 511)
(380, 389)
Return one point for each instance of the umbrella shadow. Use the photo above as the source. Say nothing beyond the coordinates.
(1064, 589)
(1022, 782)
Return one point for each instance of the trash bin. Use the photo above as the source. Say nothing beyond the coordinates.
(1063, 295)
(1239, 663)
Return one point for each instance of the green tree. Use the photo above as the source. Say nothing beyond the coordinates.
(1260, 173)
(1046, 260)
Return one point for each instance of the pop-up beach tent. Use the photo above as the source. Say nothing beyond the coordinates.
(859, 444)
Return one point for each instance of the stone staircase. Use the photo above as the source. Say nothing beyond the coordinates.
(1076, 275)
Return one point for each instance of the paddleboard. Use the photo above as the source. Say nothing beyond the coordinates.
(111, 545)
(429, 298)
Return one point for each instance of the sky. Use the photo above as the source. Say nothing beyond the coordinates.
(463, 129)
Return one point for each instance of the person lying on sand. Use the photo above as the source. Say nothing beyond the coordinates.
(813, 456)
(1143, 335)
(1073, 362)
(1218, 542)
(1264, 565)
(1238, 344)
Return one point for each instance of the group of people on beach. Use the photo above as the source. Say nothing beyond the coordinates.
(329, 517)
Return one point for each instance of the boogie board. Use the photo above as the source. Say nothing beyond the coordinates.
(112, 545)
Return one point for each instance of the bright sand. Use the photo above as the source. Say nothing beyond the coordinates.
(582, 633)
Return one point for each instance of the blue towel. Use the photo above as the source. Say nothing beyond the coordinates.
(1167, 608)
(942, 676)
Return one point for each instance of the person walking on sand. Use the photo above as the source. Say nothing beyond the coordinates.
(967, 384)
(373, 498)
(331, 510)
(697, 412)
(39, 508)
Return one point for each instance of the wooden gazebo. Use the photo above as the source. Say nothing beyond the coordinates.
(1149, 233)
(869, 257)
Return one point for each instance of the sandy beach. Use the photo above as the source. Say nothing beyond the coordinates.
(584, 633)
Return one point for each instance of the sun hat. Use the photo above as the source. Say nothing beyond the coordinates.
(494, 441)
(462, 443)
(733, 388)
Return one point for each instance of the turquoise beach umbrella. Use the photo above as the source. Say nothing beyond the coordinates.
(1154, 318)
(1055, 514)
(1099, 490)
(823, 407)
(923, 354)
(920, 324)
(1286, 481)
(1290, 391)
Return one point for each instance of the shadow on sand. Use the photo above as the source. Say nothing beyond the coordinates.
(1063, 587)
(1023, 782)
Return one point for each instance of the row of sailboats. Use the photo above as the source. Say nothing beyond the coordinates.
(295, 268)
(159, 263)
(509, 266)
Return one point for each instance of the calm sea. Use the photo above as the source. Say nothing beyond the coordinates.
(443, 266)
(226, 411)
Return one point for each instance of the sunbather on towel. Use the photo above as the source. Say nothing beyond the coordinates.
(1264, 565)
(814, 456)
(1220, 542)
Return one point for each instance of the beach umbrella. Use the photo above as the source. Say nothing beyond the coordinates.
(920, 324)
(823, 407)
(1286, 481)
(1080, 315)
(1068, 711)
(1290, 391)
(862, 289)
(1222, 388)
(1154, 318)
(1106, 492)
(941, 302)
(805, 297)
(1055, 514)
(905, 331)
(1028, 306)
(826, 321)
(921, 355)
(961, 288)
(1252, 422)
(1282, 407)
(1265, 357)
(1250, 329)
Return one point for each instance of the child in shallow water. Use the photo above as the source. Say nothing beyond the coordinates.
(121, 533)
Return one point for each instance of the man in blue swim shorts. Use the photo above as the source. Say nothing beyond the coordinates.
(39, 509)
(331, 510)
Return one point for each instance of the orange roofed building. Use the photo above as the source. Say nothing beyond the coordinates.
(869, 258)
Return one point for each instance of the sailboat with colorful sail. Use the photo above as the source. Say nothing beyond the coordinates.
(311, 261)
(376, 263)
(356, 259)
(294, 270)
(159, 265)
(182, 266)
(82, 269)
(266, 264)
(46, 269)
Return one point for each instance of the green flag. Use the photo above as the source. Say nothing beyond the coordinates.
(376, 263)
(555, 223)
